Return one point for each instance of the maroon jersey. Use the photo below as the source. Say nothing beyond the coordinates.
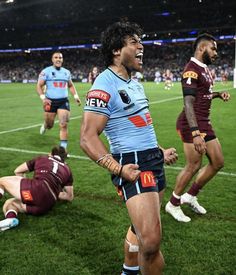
(197, 76)
(50, 169)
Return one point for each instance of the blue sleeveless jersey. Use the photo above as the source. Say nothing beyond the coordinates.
(56, 82)
(129, 127)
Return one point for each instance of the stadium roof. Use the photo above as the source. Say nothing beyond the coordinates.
(36, 23)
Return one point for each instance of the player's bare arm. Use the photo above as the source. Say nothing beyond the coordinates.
(92, 126)
(225, 96)
(74, 92)
(198, 141)
(67, 194)
(40, 90)
(21, 170)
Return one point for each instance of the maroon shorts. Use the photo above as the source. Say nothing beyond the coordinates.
(36, 195)
(184, 132)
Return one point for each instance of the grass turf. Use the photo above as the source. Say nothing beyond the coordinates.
(86, 236)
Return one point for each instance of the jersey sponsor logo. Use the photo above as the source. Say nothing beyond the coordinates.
(138, 121)
(147, 179)
(26, 194)
(124, 96)
(148, 118)
(190, 74)
(59, 84)
(97, 98)
(99, 94)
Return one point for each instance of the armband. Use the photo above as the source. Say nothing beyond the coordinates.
(42, 96)
(76, 97)
(108, 162)
(196, 133)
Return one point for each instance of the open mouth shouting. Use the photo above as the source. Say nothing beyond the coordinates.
(139, 56)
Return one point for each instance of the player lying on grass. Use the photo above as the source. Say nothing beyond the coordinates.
(52, 181)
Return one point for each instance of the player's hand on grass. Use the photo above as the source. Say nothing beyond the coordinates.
(130, 172)
(170, 156)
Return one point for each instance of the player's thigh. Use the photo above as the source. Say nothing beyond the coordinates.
(161, 195)
(214, 151)
(63, 115)
(193, 158)
(144, 212)
(12, 185)
(50, 117)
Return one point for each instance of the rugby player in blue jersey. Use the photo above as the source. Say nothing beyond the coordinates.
(57, 80)
(118, 106)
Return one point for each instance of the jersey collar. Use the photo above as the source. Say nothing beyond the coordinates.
(121, 78)
(198, 62)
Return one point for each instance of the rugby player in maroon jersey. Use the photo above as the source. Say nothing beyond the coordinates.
(93, 75)
(52, 181)
(195, 129)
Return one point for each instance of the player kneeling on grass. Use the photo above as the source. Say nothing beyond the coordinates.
(52, 181)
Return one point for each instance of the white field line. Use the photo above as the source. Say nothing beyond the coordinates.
(36, 152)
(86, 158)
(165, 100)
(31, 126)
(56, 121)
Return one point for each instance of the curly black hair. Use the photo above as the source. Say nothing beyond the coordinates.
(113, 38)
(201, 37)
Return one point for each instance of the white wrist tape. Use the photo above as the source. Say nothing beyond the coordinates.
(42, 97)
(76, 97)
(1, 191)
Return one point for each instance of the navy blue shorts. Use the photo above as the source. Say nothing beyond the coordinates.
(152, 177)
(62, 103)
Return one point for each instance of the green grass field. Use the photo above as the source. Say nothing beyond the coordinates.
(86, 236)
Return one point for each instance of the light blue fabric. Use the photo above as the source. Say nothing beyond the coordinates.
(56, 82)
(129, 127)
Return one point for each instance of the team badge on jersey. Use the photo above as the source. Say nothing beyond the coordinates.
(190, 74)
(124, 96)
(97, 98)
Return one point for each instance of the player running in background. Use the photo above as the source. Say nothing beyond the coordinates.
(52, 181)
(117, 105)
(55, 99)
(93, 74)
(168, 79)
(195, 129)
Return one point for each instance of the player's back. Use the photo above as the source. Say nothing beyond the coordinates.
(51, 169)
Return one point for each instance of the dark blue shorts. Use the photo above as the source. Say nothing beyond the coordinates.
(152, 177)
(62, 103)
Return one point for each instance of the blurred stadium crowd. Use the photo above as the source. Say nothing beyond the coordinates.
(26, 66)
